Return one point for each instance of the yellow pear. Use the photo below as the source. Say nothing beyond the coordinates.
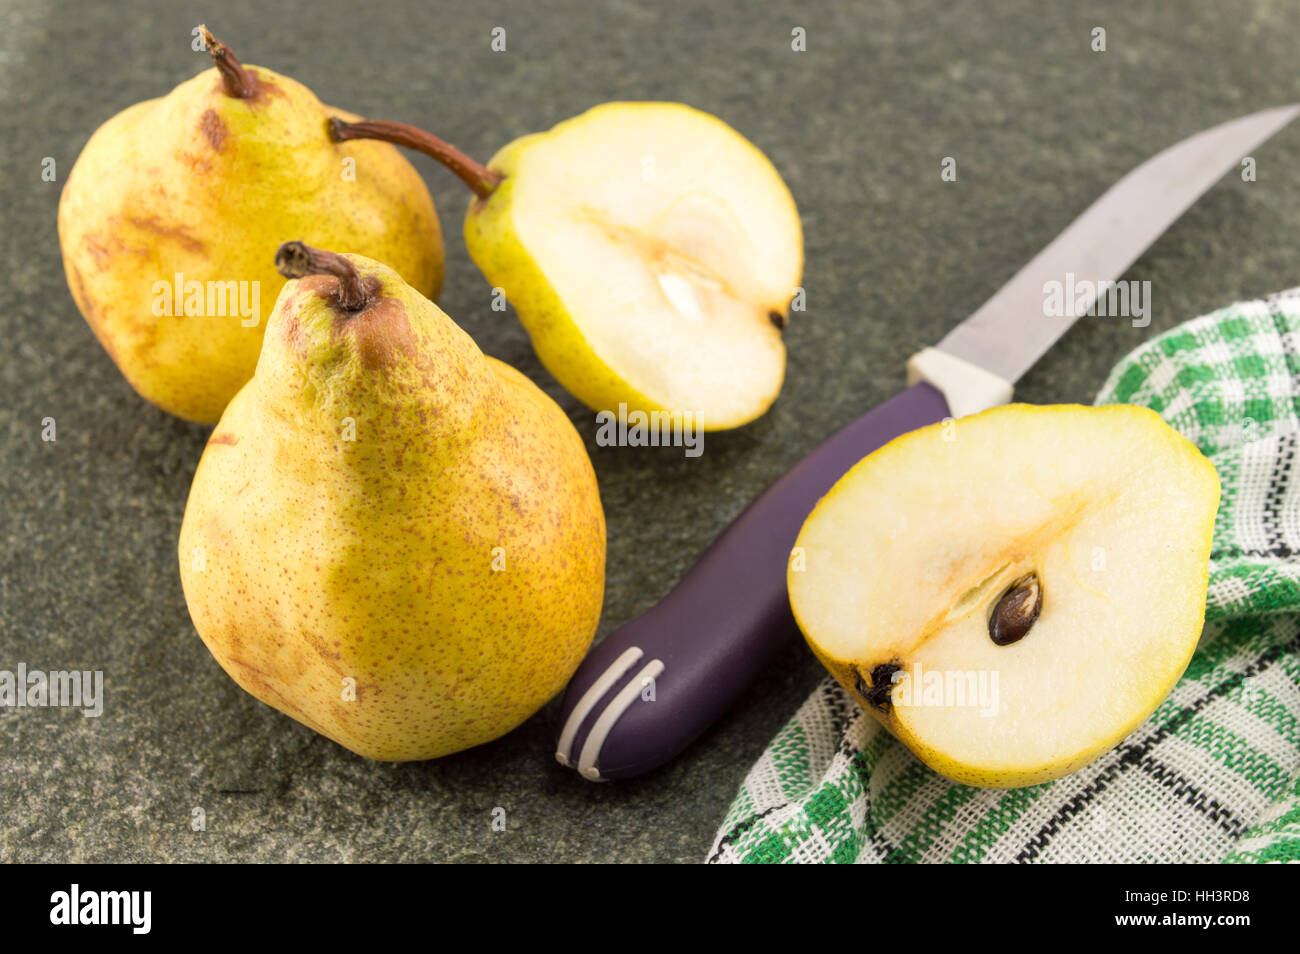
(650, 250)
(170, 219)
(1012, 593)
(390, 537)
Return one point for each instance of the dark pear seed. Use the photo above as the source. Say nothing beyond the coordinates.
(1016, 611)
(882, 684)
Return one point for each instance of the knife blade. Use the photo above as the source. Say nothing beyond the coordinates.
(652, 686)
(1104, 241)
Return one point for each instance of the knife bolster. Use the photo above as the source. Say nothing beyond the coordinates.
(966, 387)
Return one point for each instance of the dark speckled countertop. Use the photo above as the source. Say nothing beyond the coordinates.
(858, 125)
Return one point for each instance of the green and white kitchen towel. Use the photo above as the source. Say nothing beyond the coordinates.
(1213, 775)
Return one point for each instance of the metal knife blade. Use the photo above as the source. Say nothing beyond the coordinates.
(1009, 333)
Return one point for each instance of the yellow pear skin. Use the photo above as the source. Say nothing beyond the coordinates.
(390, 537)
(199, 188)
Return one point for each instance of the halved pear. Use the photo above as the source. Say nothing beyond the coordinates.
(1012, 593)
(650, 250)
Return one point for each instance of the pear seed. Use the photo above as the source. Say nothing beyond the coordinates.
(1016, 610)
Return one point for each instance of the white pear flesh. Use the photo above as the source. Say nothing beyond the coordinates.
(671, 248)
(907, 556)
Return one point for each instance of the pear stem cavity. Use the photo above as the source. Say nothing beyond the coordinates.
(879, 694)
(236, 79)
(295, 260)
(481, 180)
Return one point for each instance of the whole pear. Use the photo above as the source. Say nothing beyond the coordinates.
(391, 537)
(171, 216)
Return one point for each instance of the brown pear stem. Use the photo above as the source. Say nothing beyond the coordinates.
(236, 79)
(294, 260)
(479, 178)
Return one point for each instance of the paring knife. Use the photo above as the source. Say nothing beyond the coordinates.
(653, 685)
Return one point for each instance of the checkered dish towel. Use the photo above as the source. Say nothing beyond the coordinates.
(1213, 775)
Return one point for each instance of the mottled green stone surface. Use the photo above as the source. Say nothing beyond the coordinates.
(1038, 123)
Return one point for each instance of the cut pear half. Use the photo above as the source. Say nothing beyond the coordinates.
(651, 252)
(1013, 593)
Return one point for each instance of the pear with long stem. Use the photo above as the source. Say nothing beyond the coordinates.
(171, 216)
(650, 250)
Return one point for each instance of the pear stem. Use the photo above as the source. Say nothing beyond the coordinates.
(481, 180)
(295, 260)
(236, 79)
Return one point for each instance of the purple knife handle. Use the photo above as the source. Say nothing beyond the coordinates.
(708, 639)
